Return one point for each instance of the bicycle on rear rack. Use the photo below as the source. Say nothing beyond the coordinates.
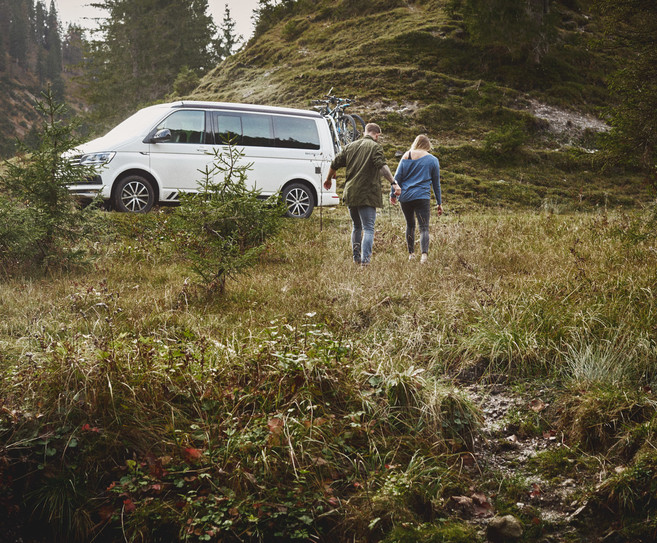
(345, 127)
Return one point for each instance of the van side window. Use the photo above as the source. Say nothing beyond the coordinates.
(185, 126)
(295, 132)
(257, 130)
(228, 129)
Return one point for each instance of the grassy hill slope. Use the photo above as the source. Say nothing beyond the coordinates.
(507, 133)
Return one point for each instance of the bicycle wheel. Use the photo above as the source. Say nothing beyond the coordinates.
(347, 129)
(360, 125)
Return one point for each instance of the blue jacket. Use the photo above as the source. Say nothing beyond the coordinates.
(416, 177)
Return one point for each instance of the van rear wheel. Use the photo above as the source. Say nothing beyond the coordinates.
(299, 201)
(134, 194)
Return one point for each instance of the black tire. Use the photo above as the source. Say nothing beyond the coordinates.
(134, 194)
(347, 129)
(299, 201)
(360, 125)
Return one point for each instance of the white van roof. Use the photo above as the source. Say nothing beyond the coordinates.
(243, 107)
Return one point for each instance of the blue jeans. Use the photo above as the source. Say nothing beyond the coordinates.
(422, 210)
(362, 232)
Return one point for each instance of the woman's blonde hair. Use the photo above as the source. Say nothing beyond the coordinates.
(421, 143)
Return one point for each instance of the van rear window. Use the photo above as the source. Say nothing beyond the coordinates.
(262, 130)
(295, 132)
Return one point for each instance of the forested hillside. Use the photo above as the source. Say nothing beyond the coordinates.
(34, 52)
(139, 53)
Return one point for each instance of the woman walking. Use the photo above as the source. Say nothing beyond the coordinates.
(418, 172)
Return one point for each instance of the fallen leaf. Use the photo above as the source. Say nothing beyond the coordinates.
(537, 405)
(192, 454)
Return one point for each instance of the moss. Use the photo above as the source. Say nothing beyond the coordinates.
(447, 532)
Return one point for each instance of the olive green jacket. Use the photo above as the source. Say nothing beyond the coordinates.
(363, 159)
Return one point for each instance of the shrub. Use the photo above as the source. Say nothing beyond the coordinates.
(43, 222)
(186, 81)
(503, 144)
(224, 226)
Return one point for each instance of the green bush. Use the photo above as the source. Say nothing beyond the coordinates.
(502, 145)
(42, 223)
(224, 226)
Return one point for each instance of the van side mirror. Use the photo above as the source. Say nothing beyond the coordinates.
(161, 135)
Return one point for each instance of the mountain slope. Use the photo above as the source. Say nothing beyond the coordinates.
(507, 132)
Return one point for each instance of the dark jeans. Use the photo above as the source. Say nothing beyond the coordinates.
(422, 210)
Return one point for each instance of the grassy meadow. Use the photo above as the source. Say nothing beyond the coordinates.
(317, 400)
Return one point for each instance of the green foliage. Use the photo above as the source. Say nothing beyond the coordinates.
(629, 492)
(523, 29)
(503, 145)
(186, 81)
(294, 28)
(631, 25)
(142, 47)
(597, 418)
(224, 226)
(444, 532)
(47, 223)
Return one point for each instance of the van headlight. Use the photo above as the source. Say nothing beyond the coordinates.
(96, 159)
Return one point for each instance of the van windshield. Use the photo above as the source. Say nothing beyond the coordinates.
(139, 123)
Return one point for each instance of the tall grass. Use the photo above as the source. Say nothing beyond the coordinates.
(314, 398)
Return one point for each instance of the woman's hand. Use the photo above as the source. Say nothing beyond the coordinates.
(439, 209)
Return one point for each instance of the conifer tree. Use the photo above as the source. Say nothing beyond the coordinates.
(4, 33)
(143, 46)
(53, 45)
(19, 31)
(631, 25)
(229, 39)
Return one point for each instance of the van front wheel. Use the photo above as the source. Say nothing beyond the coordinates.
(134, 194)
(298, 200)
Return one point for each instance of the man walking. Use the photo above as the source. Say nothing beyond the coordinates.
(364, 163)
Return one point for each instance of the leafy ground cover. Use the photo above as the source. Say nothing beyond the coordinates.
(512, 374)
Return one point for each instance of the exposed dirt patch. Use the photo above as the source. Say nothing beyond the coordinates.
(502, 452)
(567, 124)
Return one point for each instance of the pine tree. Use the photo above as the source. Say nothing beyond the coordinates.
(19, 31)
(631, 25)
(143, 46)
(4, 33)
(53, 45)
(40, 16)
(229, 39)
(73, 46)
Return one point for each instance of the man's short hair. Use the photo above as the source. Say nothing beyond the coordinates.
(372, 128)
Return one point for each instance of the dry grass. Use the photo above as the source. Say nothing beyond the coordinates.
(324, 371)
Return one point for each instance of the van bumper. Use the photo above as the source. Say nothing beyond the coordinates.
(329, 199)
(89, 190)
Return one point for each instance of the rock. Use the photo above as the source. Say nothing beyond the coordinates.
(504, 529)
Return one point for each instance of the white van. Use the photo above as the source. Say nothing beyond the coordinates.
(161, 151)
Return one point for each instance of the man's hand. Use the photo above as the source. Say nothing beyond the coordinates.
(397, 189)
(393, 200)
(328, 184)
